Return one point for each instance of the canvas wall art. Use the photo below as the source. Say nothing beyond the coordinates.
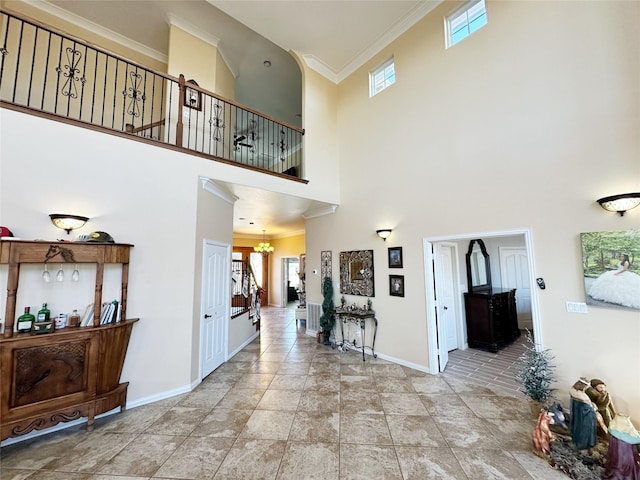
(611, 265)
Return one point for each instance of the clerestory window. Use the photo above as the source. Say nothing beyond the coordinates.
(464, 21)
(382, 77)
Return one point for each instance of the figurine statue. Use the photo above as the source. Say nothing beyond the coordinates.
(597, 392)
(582, 424)
(542, 435)
(623, 459)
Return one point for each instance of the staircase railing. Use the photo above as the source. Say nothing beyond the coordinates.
(43, 70)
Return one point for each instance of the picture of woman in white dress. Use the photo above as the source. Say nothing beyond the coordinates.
(620, 286)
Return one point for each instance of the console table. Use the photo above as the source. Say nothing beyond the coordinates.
(357, 317)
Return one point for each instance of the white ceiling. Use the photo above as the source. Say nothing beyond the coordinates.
(333, 36)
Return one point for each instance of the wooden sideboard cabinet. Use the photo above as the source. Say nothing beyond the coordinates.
(492, 320)
(73, 372)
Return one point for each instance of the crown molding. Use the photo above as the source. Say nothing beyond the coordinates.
(218, 190)
(97, 29)
(401, 26)
(192, 30)
(319, 212)
(204, 36)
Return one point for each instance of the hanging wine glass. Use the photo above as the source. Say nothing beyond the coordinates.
(75, 276)
(46, 276)
(60, 274)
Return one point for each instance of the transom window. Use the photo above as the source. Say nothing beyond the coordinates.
(464, 21)
(382, 77)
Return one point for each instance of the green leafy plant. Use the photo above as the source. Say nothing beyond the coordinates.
(327, 320)
(535, 372)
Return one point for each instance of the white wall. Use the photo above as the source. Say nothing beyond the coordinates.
(139, 194)
(521, 126)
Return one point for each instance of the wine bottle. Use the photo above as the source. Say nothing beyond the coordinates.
(44, 313)
(25, 321)
(74, 319)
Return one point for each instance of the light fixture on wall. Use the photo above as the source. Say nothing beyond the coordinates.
(67, 222)
(384, 233)
(264, 247)
(620, 203)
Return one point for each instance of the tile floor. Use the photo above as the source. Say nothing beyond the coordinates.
(493, 370)
(286, 407)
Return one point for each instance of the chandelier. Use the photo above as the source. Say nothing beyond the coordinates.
(264, 247)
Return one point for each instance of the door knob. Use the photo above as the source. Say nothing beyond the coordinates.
(446, 308)
(207, 316)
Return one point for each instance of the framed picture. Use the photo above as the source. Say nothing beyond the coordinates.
(395, 257)
(192, 97)
(356, 273)
(325, 263)
(396, 285)
(610, 261)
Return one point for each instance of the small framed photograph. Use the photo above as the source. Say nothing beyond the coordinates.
(395, 257)
(192, 97)
(396, 285)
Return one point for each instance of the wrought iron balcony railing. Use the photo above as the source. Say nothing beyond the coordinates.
(47, 71)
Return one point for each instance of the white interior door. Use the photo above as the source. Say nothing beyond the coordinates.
(216, 275)
(444, 274)
(514, 272)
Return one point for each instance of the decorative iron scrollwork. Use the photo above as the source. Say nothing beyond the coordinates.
(136, 95)
(283, 146)
(73, 59)
(217, 122)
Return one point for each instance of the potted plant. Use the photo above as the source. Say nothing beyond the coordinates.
(327, 320)
(535, 372)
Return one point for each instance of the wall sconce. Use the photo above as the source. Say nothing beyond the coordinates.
(620, 203)
(67, 222)
(384, 233)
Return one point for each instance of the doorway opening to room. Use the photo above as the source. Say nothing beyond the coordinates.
(290, 281)
(510, 260)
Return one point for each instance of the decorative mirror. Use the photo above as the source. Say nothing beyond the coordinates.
(478, 267)
(356, 273)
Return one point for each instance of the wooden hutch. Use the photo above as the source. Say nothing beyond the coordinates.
(70, 373)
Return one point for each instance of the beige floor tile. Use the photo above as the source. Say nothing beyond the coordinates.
(445, 405)
(251, 459)
(96, 449)
(319, 401)
(483, 463)
(281, 400)
(315, 427)
(268, 425)
(465, 432)
(416, 430)
(288, 382)
(365, 462)
(223, 422)
(324, 383)
(360, 401)
(364, 428)
(394, 385)
(241, 398)
(178, 421)
(196, 458)
(143, 456)
(402, 404)
(429, 463)
(317, 461)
